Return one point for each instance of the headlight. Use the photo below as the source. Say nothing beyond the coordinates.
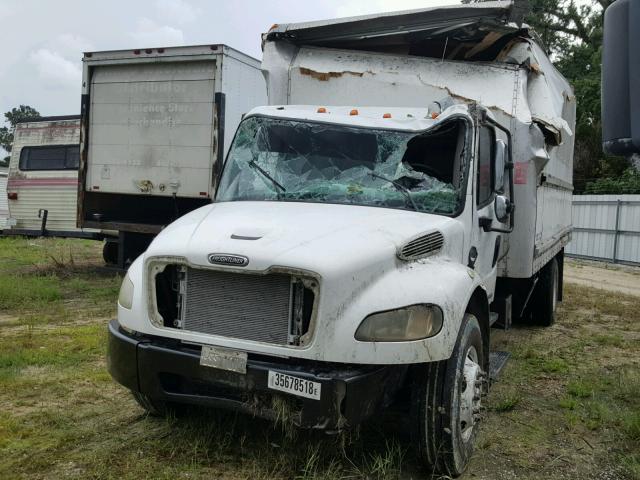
(125, 299)
(410, 323)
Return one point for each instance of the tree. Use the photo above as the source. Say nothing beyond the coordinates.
(572, 35)
(15, 116)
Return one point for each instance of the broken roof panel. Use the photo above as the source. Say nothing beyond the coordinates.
(476, 31)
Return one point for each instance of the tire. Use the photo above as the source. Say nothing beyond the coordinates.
(446, 397)
(110, 253)
(155, 407)
(545, 300)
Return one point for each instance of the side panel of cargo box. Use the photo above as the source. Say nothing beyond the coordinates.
(156, 124)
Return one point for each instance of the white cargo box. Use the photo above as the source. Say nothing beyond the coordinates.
(156, 123)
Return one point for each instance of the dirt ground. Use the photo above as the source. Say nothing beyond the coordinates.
(567, 405)
(605, 276)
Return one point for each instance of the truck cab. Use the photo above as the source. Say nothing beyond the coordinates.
(336, 263)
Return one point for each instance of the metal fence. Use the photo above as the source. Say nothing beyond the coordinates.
(606, 227)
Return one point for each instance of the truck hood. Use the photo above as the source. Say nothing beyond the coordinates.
(321, 238)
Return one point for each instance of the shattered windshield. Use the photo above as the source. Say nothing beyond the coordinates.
(285, 160)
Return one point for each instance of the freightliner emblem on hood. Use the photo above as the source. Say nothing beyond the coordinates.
(226, 259)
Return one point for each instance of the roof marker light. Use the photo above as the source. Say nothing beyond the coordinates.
(353, 112)
(322, 110)
(386, 115)
(148, 50)
(434, 115)
(136, 52)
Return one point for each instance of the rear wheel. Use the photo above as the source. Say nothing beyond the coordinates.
(545, 300)
(446, 401)
(110, 252)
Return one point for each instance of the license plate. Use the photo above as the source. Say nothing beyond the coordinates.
(294, 385)
(223, 359)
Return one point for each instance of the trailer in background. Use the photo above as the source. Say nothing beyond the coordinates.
(42, 184)
(4, 205)
(156, 125)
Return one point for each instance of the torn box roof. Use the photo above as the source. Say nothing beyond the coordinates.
(471, 32)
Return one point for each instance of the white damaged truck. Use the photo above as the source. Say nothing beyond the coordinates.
(408, 186)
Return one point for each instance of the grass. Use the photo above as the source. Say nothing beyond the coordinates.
(566, 406)
(507, 402)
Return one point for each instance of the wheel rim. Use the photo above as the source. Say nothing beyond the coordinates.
(470, 394)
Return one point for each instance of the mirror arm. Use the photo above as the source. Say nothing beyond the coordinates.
(486, 224)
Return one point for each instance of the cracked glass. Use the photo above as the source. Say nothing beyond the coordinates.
(286, 160)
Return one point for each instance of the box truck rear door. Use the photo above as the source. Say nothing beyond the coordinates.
(151, 128)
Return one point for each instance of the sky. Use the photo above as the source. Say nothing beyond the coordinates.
(43, 40)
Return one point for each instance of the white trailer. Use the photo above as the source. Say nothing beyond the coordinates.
(363, 238)
(156, 124)
(4, 204)
(42, 184)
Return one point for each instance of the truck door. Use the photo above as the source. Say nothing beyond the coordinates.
(486, 243)
(152, 128)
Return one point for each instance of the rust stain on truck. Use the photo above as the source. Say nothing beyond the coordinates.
(326, 76)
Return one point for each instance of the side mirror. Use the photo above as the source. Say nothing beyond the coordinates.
(621, 78)
(503, 208)
(500, 164)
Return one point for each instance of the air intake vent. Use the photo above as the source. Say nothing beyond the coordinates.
(422, 247)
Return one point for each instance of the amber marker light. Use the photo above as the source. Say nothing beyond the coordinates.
(353, 112)
(386, 115)
(322, 110)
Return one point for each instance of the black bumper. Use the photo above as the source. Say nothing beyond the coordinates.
(169, 370)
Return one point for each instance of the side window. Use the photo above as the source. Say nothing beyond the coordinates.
(73, 157)
(484, 181)
(63, 157)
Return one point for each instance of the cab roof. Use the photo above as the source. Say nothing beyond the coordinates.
(390, 118)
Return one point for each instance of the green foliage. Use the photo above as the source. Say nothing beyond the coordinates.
(572, 33)
(13, 117)
(628, 182)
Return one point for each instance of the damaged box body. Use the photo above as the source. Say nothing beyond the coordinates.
(505, 71)
(363, 237)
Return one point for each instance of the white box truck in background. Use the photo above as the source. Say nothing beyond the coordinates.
(42, 187)
(363, 237)
(156, 124)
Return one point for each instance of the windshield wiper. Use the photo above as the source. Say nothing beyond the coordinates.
(275, 183)
(401, 188)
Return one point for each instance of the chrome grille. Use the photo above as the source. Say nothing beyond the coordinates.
(422, 246)
(238, 305)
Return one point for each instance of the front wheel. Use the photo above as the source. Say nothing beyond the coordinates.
(446, 401)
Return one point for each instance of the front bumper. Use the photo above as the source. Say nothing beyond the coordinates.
(170, 370)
